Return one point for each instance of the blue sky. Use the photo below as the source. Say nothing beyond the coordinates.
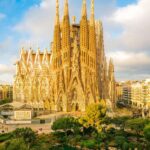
(122, 3)
(30, 23)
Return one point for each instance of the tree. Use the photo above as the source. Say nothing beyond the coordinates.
(137, 125)
(106, 120)
(102, 139)
(94, 115)
(125, 146)
(120, 140)
(26, 134)
(147, 134)
(120, 121)
(15, 144)
(66, 123)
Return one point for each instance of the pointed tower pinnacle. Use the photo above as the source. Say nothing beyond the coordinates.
(84, 29)
(111, 65)
(66, 12)
(57, 12)
(84, 12)
(57, 38)
(66, 27)
(111, 70)
(92, 33)
(66, 43)
(92, 18)
(23, 55)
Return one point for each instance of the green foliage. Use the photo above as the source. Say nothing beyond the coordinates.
(88, 144)
(26, 134)
(147, 132)
(5, 101)
(132, 146)
(5, 137)
(78, 138)
(120, 140)
(2, 147)
(111, 131)
(94, 115)
(137, 124)
(119, 121)
(68, 133)
(106, 120)
(66, 123)
(63, 147)
(15, 144)
(125, 146)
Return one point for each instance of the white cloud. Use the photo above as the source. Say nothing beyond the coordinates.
(5, 69)
(127, 40)
(135, 22)
(125, 60)
(130, 65)
(38, 23)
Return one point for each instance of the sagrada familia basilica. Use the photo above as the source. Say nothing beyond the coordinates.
(73, 74)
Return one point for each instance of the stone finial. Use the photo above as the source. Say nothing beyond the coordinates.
(57, 12)
(66, 11)
(92, 18)
(84, 12)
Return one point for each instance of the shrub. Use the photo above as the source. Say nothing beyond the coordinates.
(5, 137)
(88, 144)
(147, 132)
(16, 144)
(66, 123)
(120, 140)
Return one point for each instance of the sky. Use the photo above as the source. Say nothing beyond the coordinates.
(126, 23)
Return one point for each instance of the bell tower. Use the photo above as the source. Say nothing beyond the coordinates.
(56, 49)
(66, 45)
(84, 43)
(84, 32)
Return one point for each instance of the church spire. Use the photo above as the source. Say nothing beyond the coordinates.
(84, 32)
(92, 33)
(92, 17)
(84, 12)
(66, 12)
(66, 43)
(111, 66)
(57, 12)
(111, 70)
(66, 27)
(57, 38)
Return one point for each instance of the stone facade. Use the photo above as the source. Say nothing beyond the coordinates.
(73, 74)
(6, 92)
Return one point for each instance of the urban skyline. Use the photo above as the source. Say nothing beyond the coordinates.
(18, 29)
